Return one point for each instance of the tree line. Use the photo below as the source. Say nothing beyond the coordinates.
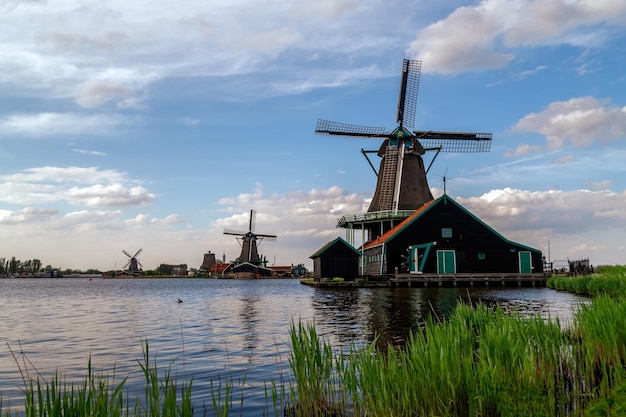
(34, 267)
(14, 266)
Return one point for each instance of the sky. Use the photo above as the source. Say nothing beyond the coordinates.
(158, 124)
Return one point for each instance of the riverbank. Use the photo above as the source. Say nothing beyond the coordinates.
(609, 280)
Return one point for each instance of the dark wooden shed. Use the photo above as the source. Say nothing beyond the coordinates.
(442, 237)
(337, 258)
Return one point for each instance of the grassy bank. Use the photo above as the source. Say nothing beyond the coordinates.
(610, 280)
(480, 362)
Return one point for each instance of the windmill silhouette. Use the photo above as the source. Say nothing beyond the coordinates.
(133, 266)
(401, 186)
(250, 241)
(402, 183)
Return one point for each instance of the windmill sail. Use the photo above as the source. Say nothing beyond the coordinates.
(249, 241)
(402, 184)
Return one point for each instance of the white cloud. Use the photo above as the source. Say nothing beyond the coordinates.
(62, 174)
(88, 152)
(26, 215)
(98, 188)
(464, 41)
(579, 121)
(563, 212)
(167, 221)
(522, 150)
(112, 195)
(483, 36)
(54, 124)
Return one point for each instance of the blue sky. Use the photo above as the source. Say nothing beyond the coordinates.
(156, 125)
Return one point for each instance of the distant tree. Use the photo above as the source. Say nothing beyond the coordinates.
(25, 266)
(165, 269)
(14, 265)
(36, 265)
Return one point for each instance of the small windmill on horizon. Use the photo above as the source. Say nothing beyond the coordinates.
(133, 266)
(249, 242)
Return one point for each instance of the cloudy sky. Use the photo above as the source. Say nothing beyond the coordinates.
(158, 124)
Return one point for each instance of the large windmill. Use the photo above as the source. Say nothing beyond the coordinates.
(249, 242)
(402, 183)
(133, 266)
(402, 186)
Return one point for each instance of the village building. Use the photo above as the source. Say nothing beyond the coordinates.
(443, 237)
(337, 258)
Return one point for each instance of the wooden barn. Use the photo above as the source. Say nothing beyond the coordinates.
(337, 258)
(442, 237)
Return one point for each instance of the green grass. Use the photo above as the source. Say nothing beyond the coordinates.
(610, 280)
(99, 396)
(480, 362)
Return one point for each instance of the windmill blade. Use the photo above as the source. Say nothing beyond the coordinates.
(462, 142)
(127, 265)
(126, 253)
(326, 127)
(252, 221)
(407, 99)
(234, 232)
(138, 252)
(268, 237)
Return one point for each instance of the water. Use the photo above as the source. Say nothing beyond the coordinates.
(224, 330)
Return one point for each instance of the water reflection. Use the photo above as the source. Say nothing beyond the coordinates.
(249, 322)
(389, 315)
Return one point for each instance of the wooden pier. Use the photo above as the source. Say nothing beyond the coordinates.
(469, 280)
(494, 280)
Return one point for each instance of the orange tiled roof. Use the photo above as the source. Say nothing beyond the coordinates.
(218, 268)
(383, 238)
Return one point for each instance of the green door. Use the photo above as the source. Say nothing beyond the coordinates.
(525, 263)
(446, 262)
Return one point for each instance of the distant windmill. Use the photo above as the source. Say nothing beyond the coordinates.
(133, 266)
(249, 241)
(402, 183)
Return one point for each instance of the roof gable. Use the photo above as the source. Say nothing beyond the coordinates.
(337, 241)
(444, 199)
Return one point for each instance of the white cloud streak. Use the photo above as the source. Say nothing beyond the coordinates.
(56, 124)
(96, 188)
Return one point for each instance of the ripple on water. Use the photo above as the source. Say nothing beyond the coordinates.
(223, 331)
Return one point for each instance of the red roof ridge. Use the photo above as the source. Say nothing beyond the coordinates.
(382, 238)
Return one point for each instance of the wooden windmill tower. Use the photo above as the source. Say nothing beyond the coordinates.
(249, 242)
(402, 186)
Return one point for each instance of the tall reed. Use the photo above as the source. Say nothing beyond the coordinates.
(480, 362)
(317, 388)
(99, 396)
